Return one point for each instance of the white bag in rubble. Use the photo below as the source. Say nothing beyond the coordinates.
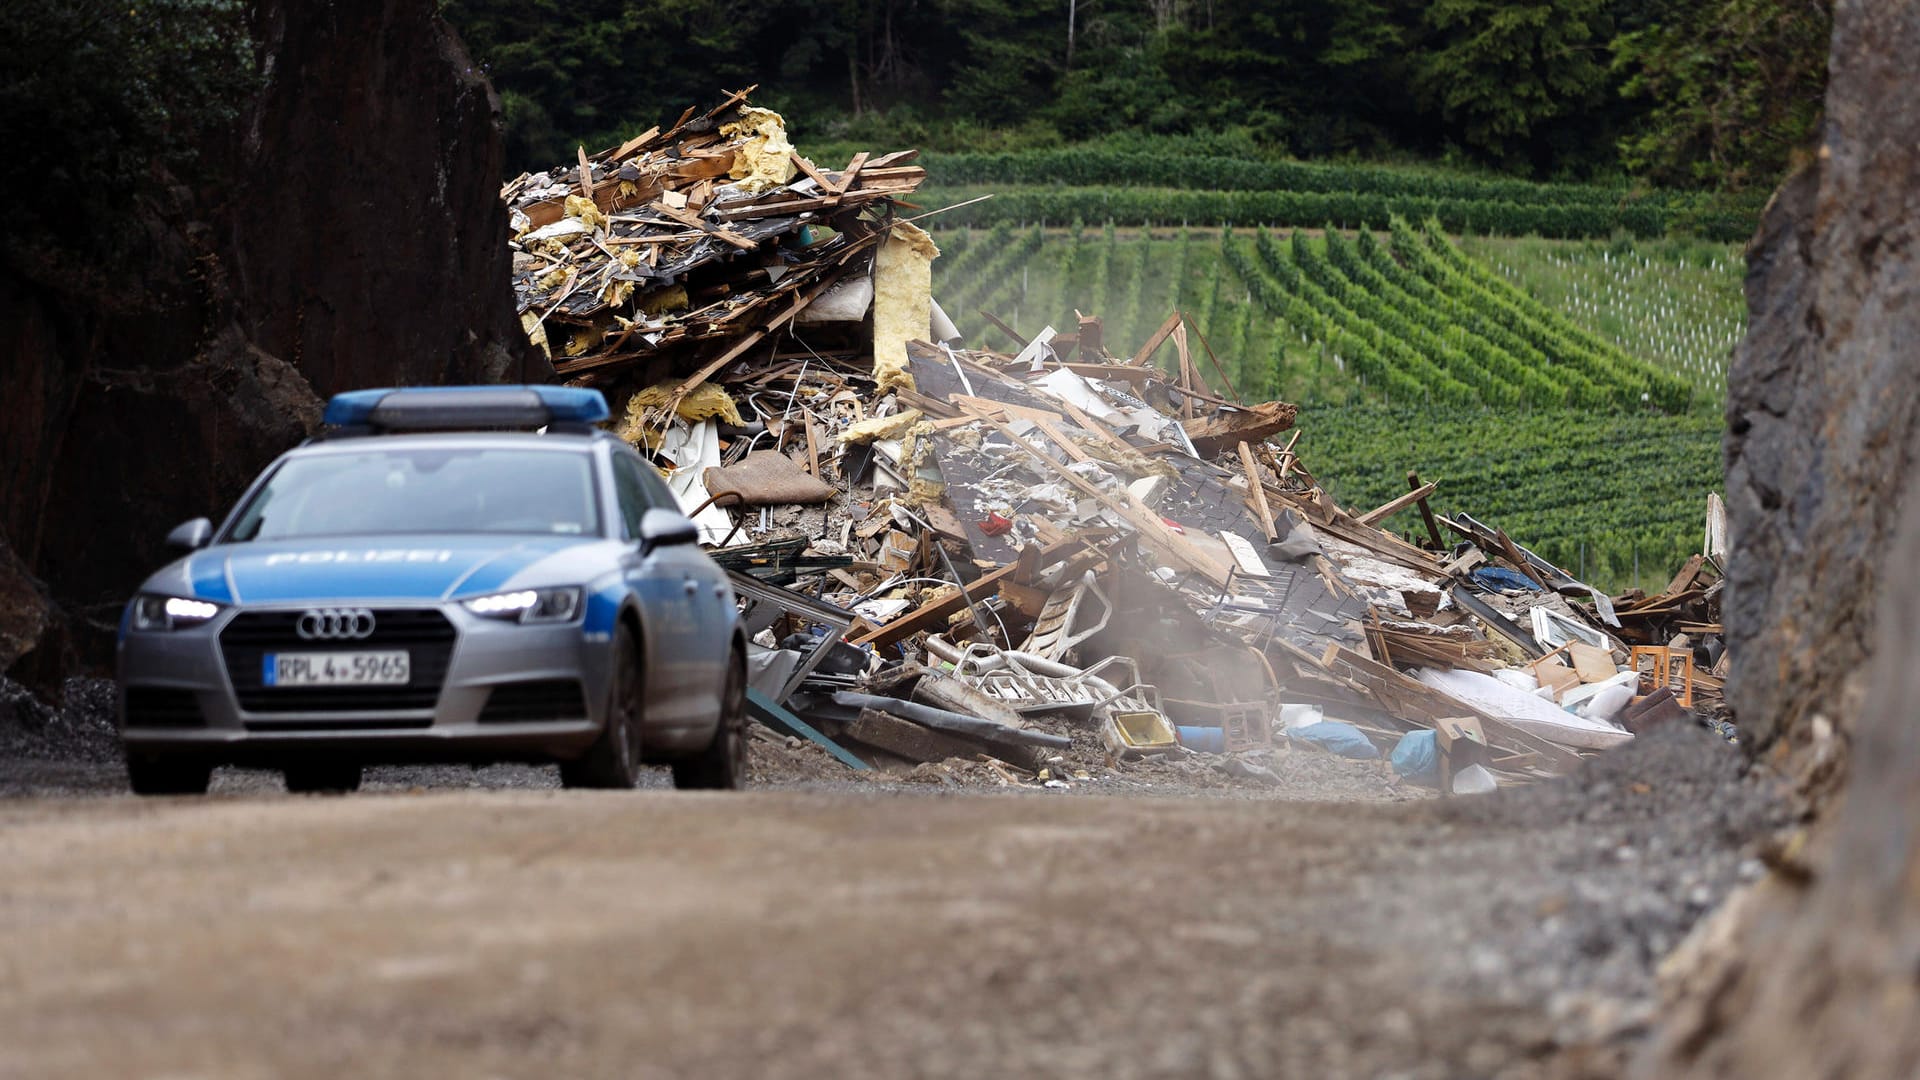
(1473, 780)
(1294, 717)
(1608, 703)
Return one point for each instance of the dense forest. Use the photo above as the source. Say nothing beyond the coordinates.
(1700, 93)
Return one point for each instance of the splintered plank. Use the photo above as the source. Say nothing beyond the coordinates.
(847, 176)
(586, 173)
(698, 222)
(1158, 339)
(813, 172)
(1249, 423)
(632, 146)
(1388, 510)
(1257, 491)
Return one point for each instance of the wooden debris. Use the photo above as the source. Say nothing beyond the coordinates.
(719, 272)
(1211, 435)
(1382, 513)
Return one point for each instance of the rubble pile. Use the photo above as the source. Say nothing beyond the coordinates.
(1044, 567)
(690, 246)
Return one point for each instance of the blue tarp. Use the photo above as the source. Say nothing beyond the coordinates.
(1417, 757)
(1343, 739)
(1499, 577)
(1206, 740)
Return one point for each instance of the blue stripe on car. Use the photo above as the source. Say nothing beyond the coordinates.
(603, 609)
(209, 577)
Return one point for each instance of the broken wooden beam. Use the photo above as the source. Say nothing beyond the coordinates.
(1257, 492)
(697, 222)
(1158, 339)
(1253, 423)
(1381, 513)
(1426, 513)
(905, 739)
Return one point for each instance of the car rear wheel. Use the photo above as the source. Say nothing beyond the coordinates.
(613, 761)
(330, 777)
(168, 776)
(723, 764)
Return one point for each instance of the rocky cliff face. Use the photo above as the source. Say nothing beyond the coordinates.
(1824, 510)
(1823, 400)
(360, 246)
(368, 241)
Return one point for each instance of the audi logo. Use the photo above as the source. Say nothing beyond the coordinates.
(335, 624)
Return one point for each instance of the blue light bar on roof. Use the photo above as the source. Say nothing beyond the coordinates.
(439, 408)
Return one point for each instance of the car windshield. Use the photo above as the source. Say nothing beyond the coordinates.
(425, 490)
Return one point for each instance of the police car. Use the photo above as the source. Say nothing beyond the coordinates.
(424, 582)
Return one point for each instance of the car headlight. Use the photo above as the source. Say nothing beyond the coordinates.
(151, 612)
(529, 605)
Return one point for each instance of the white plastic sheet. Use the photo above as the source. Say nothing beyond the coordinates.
(1523, 710)
(693, 449)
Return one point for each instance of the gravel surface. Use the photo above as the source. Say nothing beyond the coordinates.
(946, 921)
(72, 750)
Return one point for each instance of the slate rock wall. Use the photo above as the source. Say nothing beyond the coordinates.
(359, 243)
(1824, 508)
(1823, 403)
(369, 242)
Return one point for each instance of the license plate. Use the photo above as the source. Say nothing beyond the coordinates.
(385, 668)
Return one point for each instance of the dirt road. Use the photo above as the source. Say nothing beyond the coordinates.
(832, 933)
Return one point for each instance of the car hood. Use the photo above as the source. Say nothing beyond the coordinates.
(369, 568)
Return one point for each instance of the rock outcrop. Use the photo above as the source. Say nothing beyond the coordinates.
(24, 608)
(1824, 510)
(359, 246)
(367, 241)
(1823, 406)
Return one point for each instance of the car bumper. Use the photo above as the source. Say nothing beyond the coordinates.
(508, 692)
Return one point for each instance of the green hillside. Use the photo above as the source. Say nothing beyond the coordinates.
(1568, 391)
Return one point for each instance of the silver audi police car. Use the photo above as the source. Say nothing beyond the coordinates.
(424, 583)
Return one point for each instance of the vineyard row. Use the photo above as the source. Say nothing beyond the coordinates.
(1133, 206)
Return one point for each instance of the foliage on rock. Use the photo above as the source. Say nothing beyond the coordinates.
(107, 101)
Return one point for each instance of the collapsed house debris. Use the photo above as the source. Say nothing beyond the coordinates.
(1057, 559)
(686, 248)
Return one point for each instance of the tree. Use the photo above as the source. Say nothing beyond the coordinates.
(104, 102)
(1735, 87)
(1500, 72)
(590, 71)
(1011, 56)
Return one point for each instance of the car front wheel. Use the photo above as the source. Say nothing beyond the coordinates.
(613, 761)
(723, 764)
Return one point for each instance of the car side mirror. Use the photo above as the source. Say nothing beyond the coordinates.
(191, 535)
(660, 528)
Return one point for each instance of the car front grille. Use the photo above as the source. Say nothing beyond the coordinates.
(426, 635)
(535, 702)
(153, 706)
